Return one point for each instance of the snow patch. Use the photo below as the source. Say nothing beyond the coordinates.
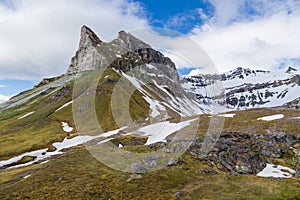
(155, 106)
(66, 127)
(104, 141)
(65, 144)
(276, 171)
(27, 176)
(63, 106)
(26, 115)
(226, 115)
(159, 131)
(19, 157)
(295, 118)
(133, 80)
(68, 143)
(271, 117)
(110, 133)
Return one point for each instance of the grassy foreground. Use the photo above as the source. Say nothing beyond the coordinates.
(78, 175)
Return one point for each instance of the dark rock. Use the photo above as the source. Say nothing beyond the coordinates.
(297, 173)
(240, 153)
(178, 195)
(148, 163)
(172, 162)
(209, 171)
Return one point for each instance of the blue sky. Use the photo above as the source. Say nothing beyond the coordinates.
(38, 38)
(181, 16)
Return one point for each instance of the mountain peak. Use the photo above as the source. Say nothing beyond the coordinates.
(95, 54)
(129, 41)
(88, 38)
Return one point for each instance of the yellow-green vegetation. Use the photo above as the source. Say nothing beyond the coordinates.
(24, 160)
(36, 131)
(42, 128)
(78, 175)
(246, 122)
(130, 140)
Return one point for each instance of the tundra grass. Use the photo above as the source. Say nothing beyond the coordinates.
(78, 175)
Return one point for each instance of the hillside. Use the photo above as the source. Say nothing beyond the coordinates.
(122, 124)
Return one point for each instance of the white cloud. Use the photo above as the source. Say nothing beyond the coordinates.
(184, 51)
(38, 38)
(262, 41)
(4, 98)
(225, 11)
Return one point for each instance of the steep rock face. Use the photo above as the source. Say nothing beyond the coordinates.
(123, 53)
(246, 88)
(87, 56)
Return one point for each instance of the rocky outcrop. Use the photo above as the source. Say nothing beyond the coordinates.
(240, 153)
(241, 73)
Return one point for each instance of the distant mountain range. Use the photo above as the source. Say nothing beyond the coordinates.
(244, 88)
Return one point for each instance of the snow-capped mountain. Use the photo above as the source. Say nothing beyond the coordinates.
(245, 88)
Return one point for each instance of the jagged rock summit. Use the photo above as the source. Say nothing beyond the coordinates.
(93, 53)
(123, 53)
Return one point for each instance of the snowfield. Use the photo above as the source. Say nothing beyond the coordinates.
(272, 88)
(276, 171)
(160, 131)
(65, 144)
(271, 117)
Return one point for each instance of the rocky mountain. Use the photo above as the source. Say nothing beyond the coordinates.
(130, 58)
(121, 110)
(123, 53)
(246, 88)
(127, 83)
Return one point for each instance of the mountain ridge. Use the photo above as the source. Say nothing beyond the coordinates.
(246, 88)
